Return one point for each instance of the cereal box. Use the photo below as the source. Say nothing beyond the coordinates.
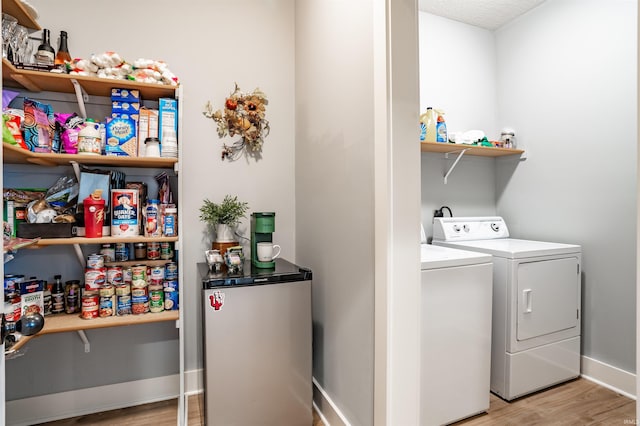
(121, 137)
(125, 212)
(168, 116)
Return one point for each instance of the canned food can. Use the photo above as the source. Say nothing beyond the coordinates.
(95, 261)
(127, 274)
(109, 252)
(139, 305)
(90, 305)
(156, 298)
(107, 290)
(122, 252)
(171, 271)
(171, 284)
(123, 290)
(114, 275)
(94, 278)
(166, 250)
(107, 306)
(153, 251)
(124, 305)
(157, 273)
(16, 303)
(138, 275)
(140, 292)
(170, 299)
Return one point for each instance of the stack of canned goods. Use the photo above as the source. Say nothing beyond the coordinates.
(95, 277)
(122, 252)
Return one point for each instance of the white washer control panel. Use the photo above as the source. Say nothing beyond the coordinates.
(469, 228)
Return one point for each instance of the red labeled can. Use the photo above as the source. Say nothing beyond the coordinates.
(90, 305)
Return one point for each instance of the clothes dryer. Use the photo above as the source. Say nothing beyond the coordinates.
(536, 303)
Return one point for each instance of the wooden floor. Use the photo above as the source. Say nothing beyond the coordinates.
(579, 402)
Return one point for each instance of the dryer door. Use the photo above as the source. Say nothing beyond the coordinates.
(548, 297)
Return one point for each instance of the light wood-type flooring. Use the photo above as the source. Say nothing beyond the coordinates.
(579, 402)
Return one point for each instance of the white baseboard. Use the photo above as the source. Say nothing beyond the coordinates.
(326, 409)
(45, 408)
(81, 402)
(610, 377)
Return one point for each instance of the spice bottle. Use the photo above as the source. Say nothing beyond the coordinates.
(57, 295)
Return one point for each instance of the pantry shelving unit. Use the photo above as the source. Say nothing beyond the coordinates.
(461, 149)
(83, 87)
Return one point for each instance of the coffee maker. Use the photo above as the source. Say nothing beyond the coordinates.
(262, 228)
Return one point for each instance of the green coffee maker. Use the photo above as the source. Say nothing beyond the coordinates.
(263, 224)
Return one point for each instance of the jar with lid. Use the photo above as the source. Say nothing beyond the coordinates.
(89, 139)
(140, 251)
(152, 147)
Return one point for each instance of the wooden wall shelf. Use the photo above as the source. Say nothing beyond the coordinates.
(38, 81)
(63, 323)
(16, 9)
(13, 154)
(481, 151)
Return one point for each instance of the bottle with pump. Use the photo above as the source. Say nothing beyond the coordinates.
(441, 128)
(63, 51)
(428, 126)
(45, 54)
(57, 296)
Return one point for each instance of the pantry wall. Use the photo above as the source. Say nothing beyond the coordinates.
(564, 77)
(210, 53)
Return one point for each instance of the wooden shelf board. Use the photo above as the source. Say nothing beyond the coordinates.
(159, 262)
(104, 240)
(480, 151)
(55, 82)
(63, 323)
(18, 11)
(13, 154)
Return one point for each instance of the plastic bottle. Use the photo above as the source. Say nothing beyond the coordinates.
(94, 214)
(428, 126)
(89, 140)
(441, 128)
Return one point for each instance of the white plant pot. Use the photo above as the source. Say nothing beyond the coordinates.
(224, 233)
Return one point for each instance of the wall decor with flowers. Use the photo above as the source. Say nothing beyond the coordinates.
(244, 115)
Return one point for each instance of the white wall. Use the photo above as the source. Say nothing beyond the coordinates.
(565, 79)
(210, 46)
(458, 74)
(567, 84)
(357, 189)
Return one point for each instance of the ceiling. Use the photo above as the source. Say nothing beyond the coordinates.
(489, 14)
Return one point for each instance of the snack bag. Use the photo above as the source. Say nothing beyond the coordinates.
(39, 126)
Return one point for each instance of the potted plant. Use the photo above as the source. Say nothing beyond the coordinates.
(224, 217)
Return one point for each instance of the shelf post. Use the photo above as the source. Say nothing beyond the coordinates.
(82, 97)
(85, 340)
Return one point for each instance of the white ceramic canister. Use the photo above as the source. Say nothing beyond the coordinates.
(89, 139)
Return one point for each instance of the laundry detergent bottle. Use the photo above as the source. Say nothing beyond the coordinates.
(441, 128)
(428, 122)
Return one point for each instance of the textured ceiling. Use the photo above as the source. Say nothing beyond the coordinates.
(489, 14)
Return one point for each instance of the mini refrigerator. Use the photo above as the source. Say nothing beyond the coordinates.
(257, 345)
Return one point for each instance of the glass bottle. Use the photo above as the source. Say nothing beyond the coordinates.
(57, 295)
(63, 50)
(45, 54)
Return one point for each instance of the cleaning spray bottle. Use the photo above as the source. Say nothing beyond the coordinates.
(441, 128)
(428, 126)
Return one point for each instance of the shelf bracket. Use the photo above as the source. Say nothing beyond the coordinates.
(81, 258)
(82, 97)
(455, 163)
(85, 340)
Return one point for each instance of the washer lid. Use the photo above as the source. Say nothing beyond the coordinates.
(433, 257)
(512, 248)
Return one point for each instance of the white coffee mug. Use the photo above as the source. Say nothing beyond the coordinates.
(265, 251)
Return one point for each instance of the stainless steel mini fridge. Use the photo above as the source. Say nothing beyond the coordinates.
(257, 346)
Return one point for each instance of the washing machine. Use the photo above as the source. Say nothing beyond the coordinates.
(536, 303)
(455, 334)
